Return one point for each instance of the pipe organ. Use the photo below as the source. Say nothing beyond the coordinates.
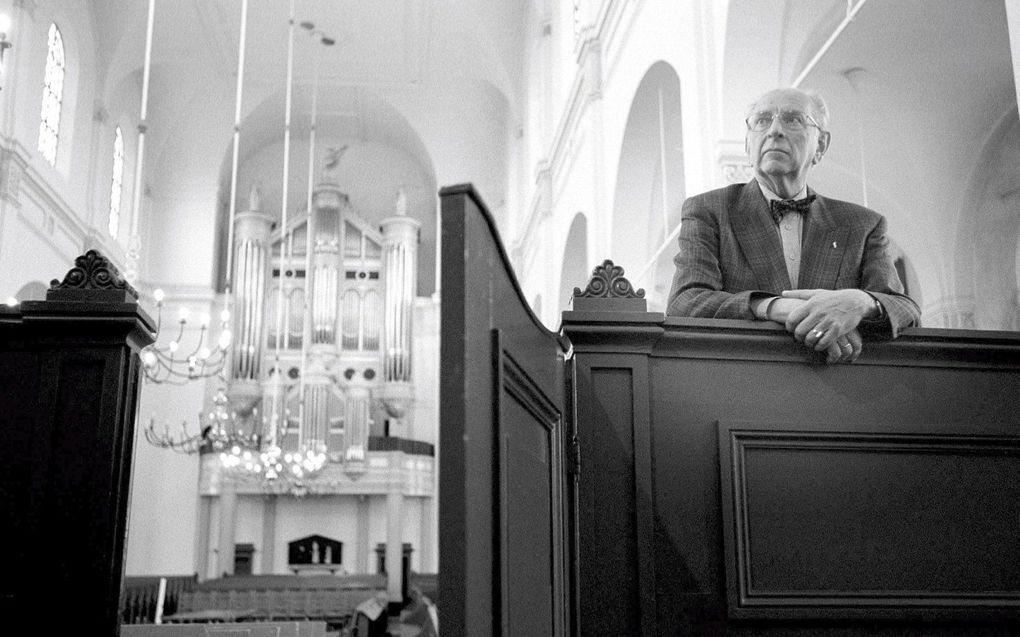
(343, 354)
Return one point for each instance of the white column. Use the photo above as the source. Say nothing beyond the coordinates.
(428, 536)
(267, 566)
(361, 545)
(394, 538)
(228, 520)
(203, 538)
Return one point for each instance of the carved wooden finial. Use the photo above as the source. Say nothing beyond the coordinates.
(609, 290)
(607, 281)
(93, 278)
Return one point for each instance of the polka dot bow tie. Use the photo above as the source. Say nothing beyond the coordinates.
(782, 206)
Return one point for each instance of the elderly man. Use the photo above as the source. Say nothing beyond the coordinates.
(775, 250)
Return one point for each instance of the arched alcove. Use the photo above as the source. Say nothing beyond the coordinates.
(988, 234)
(650, 183)
(574, 270)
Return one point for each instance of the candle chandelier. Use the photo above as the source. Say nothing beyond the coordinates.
(219, 430)
(177, 363)
(246, 438)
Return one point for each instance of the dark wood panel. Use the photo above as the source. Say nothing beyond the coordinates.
(917, 439)
(616, 516)
(866, 521)
(530, 503)
(72, 365)
(497, 396)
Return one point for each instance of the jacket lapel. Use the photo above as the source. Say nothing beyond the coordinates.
(756, 233)
(822, 247)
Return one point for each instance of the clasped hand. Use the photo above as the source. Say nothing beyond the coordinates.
(824, 320)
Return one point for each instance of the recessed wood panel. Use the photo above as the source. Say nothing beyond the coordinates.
(827, 523)
(529, 509)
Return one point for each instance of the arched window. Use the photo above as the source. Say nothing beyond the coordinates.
(117, 182)
(53, 93)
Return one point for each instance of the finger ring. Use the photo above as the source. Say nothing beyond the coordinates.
(842, 345)
(818, 333)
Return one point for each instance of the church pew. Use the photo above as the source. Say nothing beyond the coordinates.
(249, 629)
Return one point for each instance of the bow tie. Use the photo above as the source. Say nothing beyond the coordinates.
(780, 207)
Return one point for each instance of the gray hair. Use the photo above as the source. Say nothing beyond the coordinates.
(821, 108)
(818, 105)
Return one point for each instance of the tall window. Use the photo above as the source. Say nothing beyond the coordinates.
(117, 182)
(53, 93)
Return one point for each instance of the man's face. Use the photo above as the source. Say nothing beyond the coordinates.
(781, 151)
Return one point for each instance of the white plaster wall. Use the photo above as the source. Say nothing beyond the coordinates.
(425, 368)
(34, 245)
(183, 172)
(48, 219)
(332, 516)
(163, 510)
(463, 126)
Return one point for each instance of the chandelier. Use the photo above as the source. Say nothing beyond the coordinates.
(220, 430)
(277, 470)
(173, 363)
(238, 440)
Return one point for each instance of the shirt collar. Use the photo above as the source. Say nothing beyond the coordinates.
(769, 195)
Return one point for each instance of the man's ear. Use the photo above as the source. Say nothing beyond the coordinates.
(823, 145)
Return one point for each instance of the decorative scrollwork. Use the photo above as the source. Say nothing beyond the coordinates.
(93, 271)
(607, 281)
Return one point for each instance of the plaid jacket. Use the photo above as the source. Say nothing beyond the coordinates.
(731, 256)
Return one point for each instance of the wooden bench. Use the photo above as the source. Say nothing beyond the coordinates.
(249, 629)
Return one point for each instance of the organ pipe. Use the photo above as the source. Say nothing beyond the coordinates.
(356, 409)
(250, 276)
(326, 261)
(400, 259)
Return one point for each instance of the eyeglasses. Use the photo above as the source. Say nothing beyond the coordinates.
(789, 120)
